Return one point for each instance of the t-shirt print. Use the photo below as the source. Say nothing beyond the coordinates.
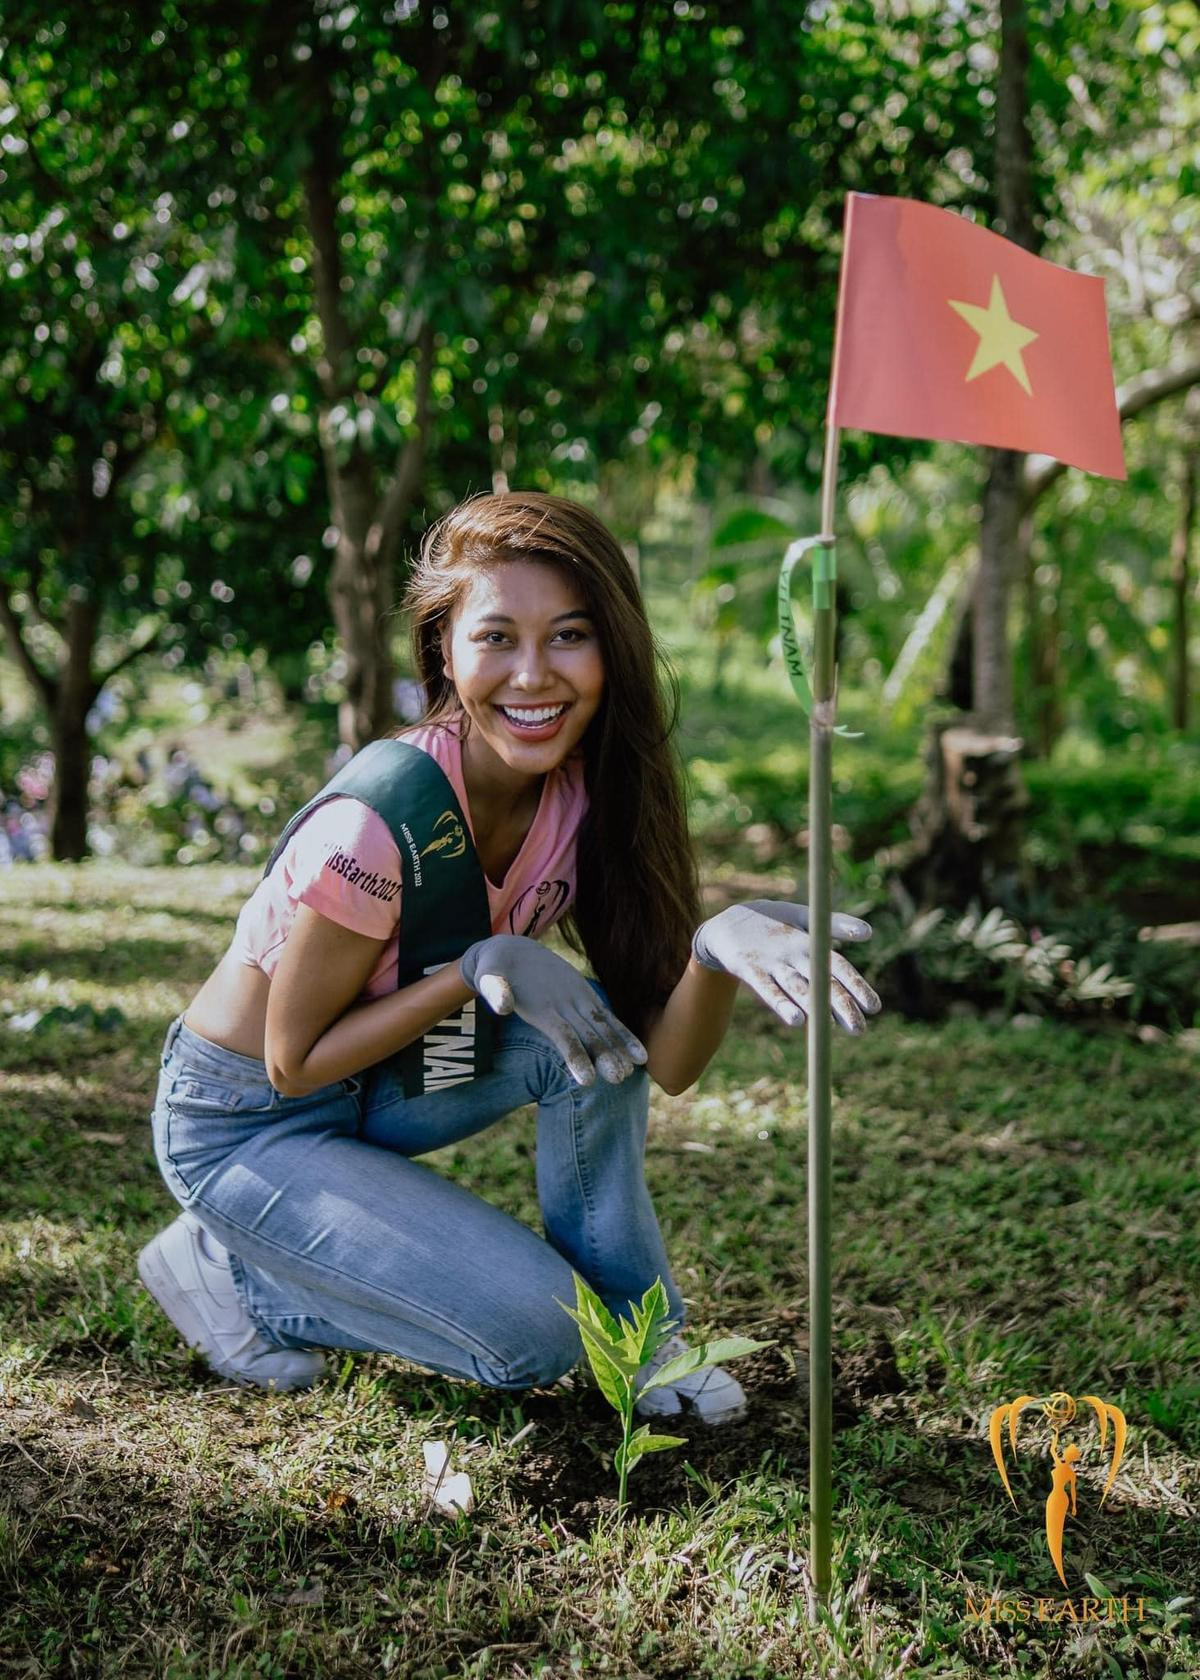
(538, 906)
(343, 863)
(369, 881)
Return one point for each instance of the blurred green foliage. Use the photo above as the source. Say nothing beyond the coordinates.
(622, 222)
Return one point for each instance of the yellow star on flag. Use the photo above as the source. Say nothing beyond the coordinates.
(1001, 339)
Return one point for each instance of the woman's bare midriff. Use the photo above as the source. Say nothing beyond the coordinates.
(230, 1009)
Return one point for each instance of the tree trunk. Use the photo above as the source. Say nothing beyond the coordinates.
(368, 518)
(1181, 544)
(75, 693)
(361, 597)
(1043, 628)
(967, 826)
(69, 819)
(999, 536)
(359, 585)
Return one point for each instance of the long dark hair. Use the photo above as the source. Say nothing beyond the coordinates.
(636, 900)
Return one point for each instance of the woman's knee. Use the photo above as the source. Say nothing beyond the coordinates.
(549, 1349)
(552, 1081)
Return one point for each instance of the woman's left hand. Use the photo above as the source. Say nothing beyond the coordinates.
(765, 945)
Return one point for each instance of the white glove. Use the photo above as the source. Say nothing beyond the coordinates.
(515, 975)
(765, 945)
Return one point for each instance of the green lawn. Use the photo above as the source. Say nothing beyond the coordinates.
(1016, 1212)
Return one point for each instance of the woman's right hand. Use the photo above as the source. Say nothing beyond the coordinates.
(515, 975)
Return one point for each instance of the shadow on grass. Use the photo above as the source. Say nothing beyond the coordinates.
(89, 1530)
(117, 900)
(97, 1555)
(903, 1444)
(1003, 1207)
(115, 961)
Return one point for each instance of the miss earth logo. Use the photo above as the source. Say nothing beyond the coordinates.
(1059, 1411)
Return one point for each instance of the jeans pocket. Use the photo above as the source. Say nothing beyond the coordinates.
(200, 1119)
(200, 1095)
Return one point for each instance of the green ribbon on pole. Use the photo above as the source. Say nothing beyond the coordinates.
(824, 585)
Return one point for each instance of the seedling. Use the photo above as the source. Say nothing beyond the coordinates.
(617, 1349)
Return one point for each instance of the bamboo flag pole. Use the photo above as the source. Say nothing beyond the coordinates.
(820, 703)
(926, 346)
(820, 1104)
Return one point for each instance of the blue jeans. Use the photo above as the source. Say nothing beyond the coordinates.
(338, 1238)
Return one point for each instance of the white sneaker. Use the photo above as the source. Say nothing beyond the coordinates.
(713, 1394)
(187, 1272)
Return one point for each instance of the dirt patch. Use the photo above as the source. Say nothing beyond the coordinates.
(566, 1473)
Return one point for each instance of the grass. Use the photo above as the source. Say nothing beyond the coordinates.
(1015, 1212)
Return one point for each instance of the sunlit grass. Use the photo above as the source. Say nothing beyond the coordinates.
(1013, 1211)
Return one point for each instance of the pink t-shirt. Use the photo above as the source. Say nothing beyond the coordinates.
(343, 863)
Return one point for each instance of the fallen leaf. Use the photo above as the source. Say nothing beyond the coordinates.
(115, 1138)
(302, 1595)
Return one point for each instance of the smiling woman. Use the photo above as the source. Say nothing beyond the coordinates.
(385, 994)
(528, 680)
(528, 560)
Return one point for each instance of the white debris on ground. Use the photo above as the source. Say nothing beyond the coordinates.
(450, 1490)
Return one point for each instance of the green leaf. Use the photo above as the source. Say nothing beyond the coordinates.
(614, 1384)
(587, 1300)
(588, 1320)
(751, 525)
(640, 1443)
(1098, 1587)
(651, 1325)
(732, 1347)
(657, 1443)
(681, 1366)
(700, 1358)
(612, 1369)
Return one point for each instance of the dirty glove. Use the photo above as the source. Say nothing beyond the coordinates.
(517, 976)
(765, 945)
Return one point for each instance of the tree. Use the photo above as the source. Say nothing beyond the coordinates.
(1050, 70)
(1131, 211)
(122, 450)
(1182, 541)
(425, 249)
(83, 383)
(462, 240)
(999, 530)
(547, 236)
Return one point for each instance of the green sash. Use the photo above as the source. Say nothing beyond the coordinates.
(444, 907)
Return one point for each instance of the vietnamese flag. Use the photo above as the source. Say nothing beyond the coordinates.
(947, 331)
